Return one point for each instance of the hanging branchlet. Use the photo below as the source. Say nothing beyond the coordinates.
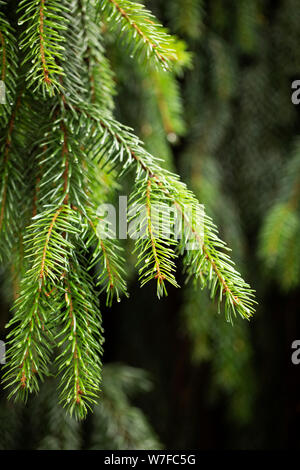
(8, 68)
(102, 85)
(9, 173)
(42, 43)
(74, 81)
(279, 238)
(224, 281)
(152, 227)
(79, 335)
(145, 37)
(164, 106)
(107, 259)
(61, 160)
(49, 250)
(15, 172)
(186, 17)
(29, 342)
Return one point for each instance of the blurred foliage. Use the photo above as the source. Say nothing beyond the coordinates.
(115, 424)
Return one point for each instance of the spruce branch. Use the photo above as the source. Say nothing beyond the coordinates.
(279, 246)
(48, 250)
(80, 337)
(29, 342)
(6, 169)
(117, 422)
(75, 80)
(61, 159)
(186, 17)
(154, 245)
(146, 38)
(224, 281)
(101, 76)
(165, 90)
(14, 180)
(73, 149)
(107, 259)
(8, 67)
(42, 43)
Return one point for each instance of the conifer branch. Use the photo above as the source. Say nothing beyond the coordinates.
(155, 246)
(10, 172)
(107, 259)
(219, 270)
(3, 47)
(80, 337)
(42, 43)
(49, 252)
(187, 17)
(63, 153)
(101, 76)
(163, 89)
(146, 38)
(30, 346)
(8, 67)
(279, 247)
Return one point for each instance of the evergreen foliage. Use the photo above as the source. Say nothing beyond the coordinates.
(279, 246)
(64, 152)
(65, 77)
